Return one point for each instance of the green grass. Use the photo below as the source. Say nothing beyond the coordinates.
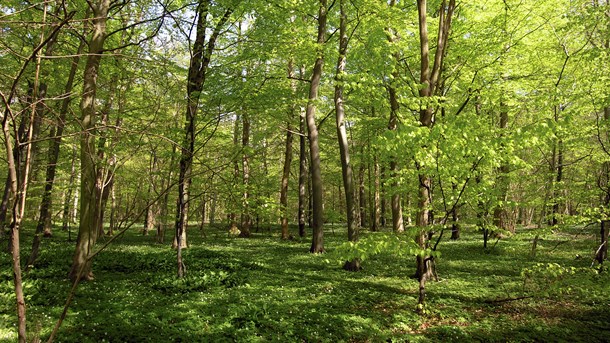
(263, 289)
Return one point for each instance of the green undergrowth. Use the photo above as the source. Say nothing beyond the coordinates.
(264, 289)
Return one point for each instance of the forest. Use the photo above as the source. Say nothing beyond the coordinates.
(305, 171)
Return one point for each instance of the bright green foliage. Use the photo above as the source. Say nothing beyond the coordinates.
(546, 64)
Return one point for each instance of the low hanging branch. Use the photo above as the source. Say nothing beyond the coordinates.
(457, 200)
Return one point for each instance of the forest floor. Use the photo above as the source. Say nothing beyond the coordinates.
(264, 289)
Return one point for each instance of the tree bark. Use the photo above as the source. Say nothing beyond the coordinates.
(429, 79)
(91, 184)
(377, 196)
(317, 242)
(395, 204)
(362, 193)
(284, 184)
(67, 214)
(302, 175)
(17, 151)
(246, 220)
(17, 193)
(346, 167)
(152, 212)
(601, 253)
(233, 214)
(287, 159)
(501, 216)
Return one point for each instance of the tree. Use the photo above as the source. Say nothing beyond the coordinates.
(199, 63)
(395, 204)
(317, 242)
(346, 167)
(92, 182)
(430, 81)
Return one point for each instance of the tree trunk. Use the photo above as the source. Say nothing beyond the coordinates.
(18, 194)
(213, 210)
(152, 212)
(67, 214)
(246, 221)
(377, 196)
(17, 151)
(501, 216)
(233, 214)
(558, 179)
(362, 194)
(601, 253)
(164, 210)
(317, 242)
(429, 79)
(346, 167)
(395, 204)
(113, 211)
(287, 159)
(91, 184)
(200, 60)
(204, 206)
(284, 185)
(382, 218)
(302, 175)
(455, 226)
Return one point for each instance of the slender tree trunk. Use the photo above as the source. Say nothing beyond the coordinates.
(200, 60)
(317, 242)
(17, 151)
(113, 211)
(601, 253)
(302, 175)
(382, 218)
(91, 184)
(246, 221)
(18, 194)
(395, 204)
(397, 221)
(501, 216)
(4, 204)
(455, 226)
(284, 185)
(558, 179)
(67, 214)
(213, 210)
(233, 214)
(164, 205)
(429, 78)
(362, 194)
(346, 167)
(204, 205)
(377, 196)
(287, 160)
(152, 211)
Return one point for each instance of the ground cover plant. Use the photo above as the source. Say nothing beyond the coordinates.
(265, 289)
